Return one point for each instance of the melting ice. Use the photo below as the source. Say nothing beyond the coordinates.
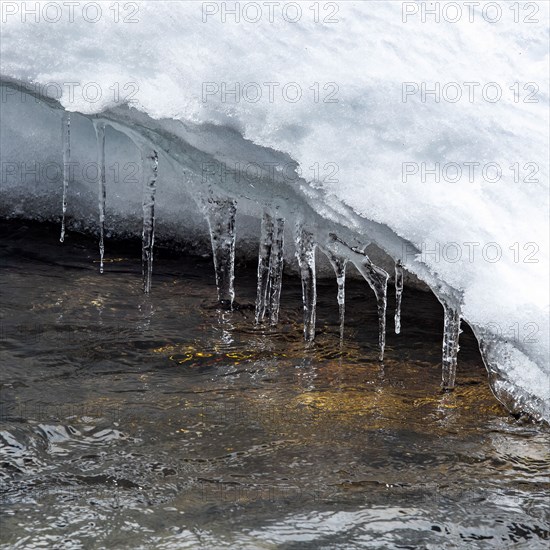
(369, 134)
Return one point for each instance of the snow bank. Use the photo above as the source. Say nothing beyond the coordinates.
(461, 173)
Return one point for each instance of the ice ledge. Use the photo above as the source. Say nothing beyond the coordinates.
(517, 378)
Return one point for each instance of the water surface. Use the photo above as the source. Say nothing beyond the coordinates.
(132, 421)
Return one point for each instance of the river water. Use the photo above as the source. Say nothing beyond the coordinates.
(132, 421)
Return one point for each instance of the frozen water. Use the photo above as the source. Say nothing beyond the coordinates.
(150, 163)
(506, 301)
(102, 190)
(451, 333)
(66, 140)
(276, 263)
(220, 213)
(338, 263)
(264, 259)
(378, 281)
(305, 254)
(398, 294)
(270, 268)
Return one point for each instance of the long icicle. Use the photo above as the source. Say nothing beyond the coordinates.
(451, 334)
(270, 268)
(66, 141)
(264, 260)
(100, 136)
(305, 253)
(339, 265)
(220, 213)
(398, 295)
(377, 279)
(276, 264)
(150, 162)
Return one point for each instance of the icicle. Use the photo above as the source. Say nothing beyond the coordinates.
(377, 279)
(100, 136)
(451, 333)
(150, 164)
(305, 253)
(276, 270)
(339, 265)
(270, 269)
(220, 214)
(264, 256)
(66, 141)
(398, 294)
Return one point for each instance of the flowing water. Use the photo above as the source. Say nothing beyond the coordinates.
(161, 421)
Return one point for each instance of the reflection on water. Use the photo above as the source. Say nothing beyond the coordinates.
(160, 422)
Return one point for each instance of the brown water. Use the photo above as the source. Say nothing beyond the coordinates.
(162, 422)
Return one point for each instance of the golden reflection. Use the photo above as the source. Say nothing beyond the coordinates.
(329, 389)
(327, 411)
(185, 354)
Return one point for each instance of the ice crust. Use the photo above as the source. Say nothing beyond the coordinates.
(369, 133)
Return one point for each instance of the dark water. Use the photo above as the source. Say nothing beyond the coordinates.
(161, 422)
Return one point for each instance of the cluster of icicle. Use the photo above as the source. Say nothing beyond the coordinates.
(149, 159)
(220, 213)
